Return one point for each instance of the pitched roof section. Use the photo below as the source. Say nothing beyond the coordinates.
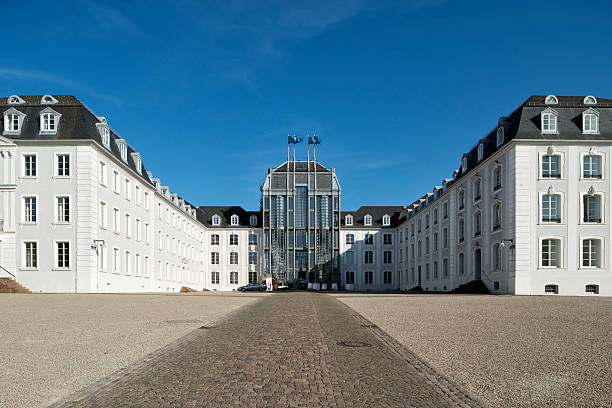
(301, 167)
(77, 122)
(377, 213)
(205, 214)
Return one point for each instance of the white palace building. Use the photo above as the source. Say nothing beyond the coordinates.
(526, 213)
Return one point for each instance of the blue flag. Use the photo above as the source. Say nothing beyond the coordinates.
(315, 140)
(293, 139)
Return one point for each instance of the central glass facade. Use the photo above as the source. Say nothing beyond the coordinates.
(301, 213)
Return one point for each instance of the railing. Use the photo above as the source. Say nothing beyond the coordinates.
(14, 278)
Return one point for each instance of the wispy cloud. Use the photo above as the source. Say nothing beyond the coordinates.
(26, 75)
(111, 19)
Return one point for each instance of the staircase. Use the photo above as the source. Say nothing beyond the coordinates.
(473, 287)
(8, 285)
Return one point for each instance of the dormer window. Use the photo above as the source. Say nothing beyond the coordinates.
(15, 100)
(122, 149)
(590, 121)
(464, 164)
(48, 100)
(13, 120)
(500, 136)
(49, 121)
(367, 220)
(253, 220)
(480, 151)
(234, 220)
(137, 162)
(386, 220)
(106, 137)
(589, 100)
(551, 100)
(549, 121)
(348, 220)
(216, 220)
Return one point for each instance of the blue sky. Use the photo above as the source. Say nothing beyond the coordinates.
(207, 91)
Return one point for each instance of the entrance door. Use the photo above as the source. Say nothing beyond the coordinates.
(477, 264)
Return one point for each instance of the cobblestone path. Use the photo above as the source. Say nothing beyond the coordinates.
(288, 350)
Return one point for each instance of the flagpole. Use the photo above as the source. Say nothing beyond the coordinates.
(288, 148)
(308, 147)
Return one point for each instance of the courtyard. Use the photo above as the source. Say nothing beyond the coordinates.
(305, 349)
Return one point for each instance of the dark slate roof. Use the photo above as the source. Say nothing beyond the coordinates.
(377, 213)
(301, 166)
(76, 123)
(205, 214)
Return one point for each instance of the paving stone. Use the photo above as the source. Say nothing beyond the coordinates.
(286, 350)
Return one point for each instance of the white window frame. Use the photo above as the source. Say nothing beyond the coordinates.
(348, 220)
(552, 127)
(24, 255)
(602, 252)
(231, 254)
(56, 211)
(386, 220)
(602, 164)
(24, 218)
(103, 214)
(253, 220)
(24, 168)
(500, 136)
(51, 126)
(602, 208)
(56, 255)
(497, 255)
(9, 121)
(560, 210)
(561, 156)
(497, 204)
(231, 237)
(480, 151)
(367, 220)
(561, 252)
(593, 118)
(497, 173)
(216, 220)
(234, 220)
(56, 173)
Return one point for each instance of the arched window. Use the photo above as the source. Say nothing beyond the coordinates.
(477, 189)
(497, 178)
(348, 220)
(480, 151)
(386, 220)
(549, 121)
(106, 137)
(464, 164)
(461, 199)
(500, 136)
(477, 223)
(234, 220)
(497, 256)
(47, 100)
(15, 100)
(551, 100)
(590, 122)
(589, 100)
(497, 216)
(461, 230)
(216, 220)
(367, 220)
(253, 220)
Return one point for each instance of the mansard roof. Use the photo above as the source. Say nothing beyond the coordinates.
(301, 166)
(205, 214)
(77, 122)
(377, 213)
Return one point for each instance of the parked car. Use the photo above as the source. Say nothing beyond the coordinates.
(252, 287)
(282, 286)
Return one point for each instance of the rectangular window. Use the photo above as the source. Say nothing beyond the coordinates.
(435, 270)
(138, 230)
(116, 220)
(127, 263)
(550, 208)
(214, 258)
(369, 278)
(29, 209)
(369, 257)
(233, 259)
(101, 249)
(591, 253)
(116, 181)
(29, 165)
(445, 268)
(551, 253)
(350, 278)
(137, 193)
(116, 260)
(369, 239)
(550, 166)
(137, 266)
(63, 254)
(63, 209)
(387, 278)
(349, 258)
(350, 238)
(435, 241)
(214, 278)
(387, 239)
(233, 239)
(31, 254)
(592, 208)
(252, 258)
(63, 165)
(252, 277)
(233, 278)
(214, 239)
(128, 188)
(445, 238)
(252, 239)
(387, 257)
(591, 167)
(128, 225)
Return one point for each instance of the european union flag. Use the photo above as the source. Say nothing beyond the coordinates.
(294, 139)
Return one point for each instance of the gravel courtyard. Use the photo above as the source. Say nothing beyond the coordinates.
(51, 345)
(509, 351)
